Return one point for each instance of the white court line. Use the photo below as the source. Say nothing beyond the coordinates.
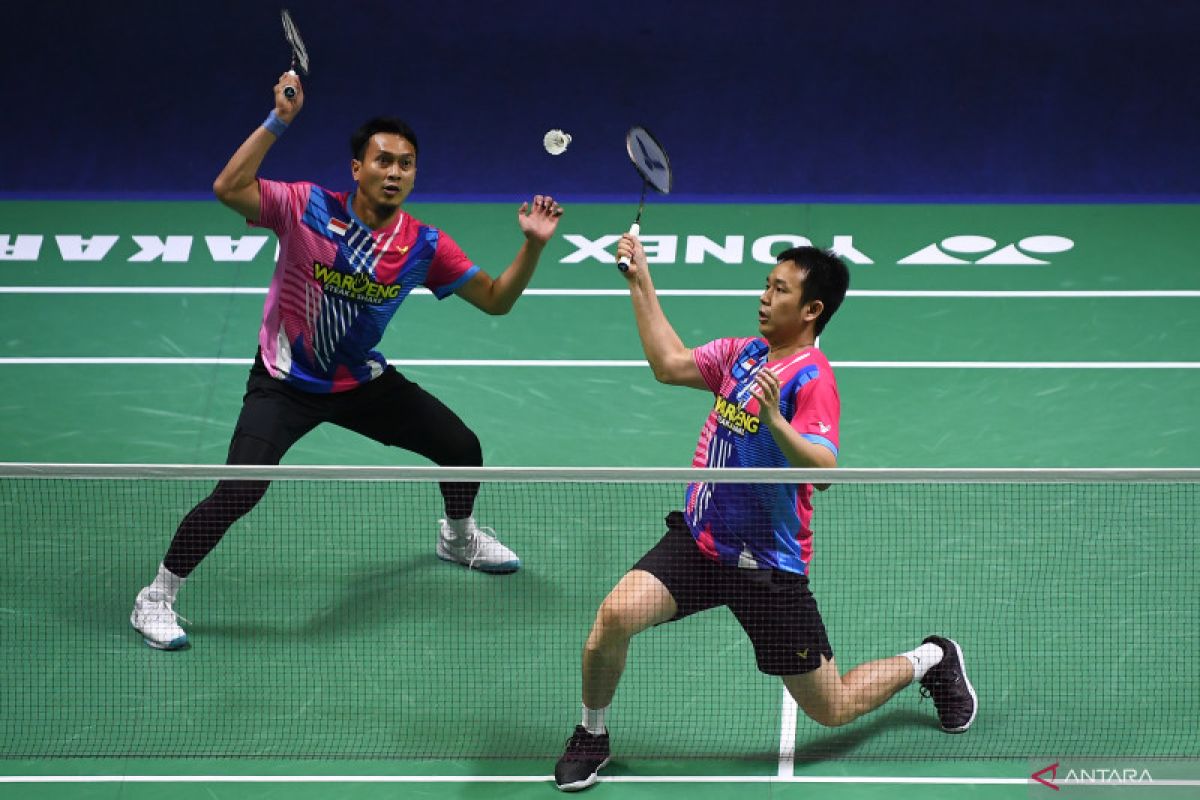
(787, 735)
(931, 293)
(564, 363)
(492, 779)
(844, 779)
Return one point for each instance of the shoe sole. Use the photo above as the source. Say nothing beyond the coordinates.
(586, 782)
(491, 569)
(174, 644)
(962, 665)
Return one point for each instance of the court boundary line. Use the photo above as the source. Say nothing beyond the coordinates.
(551, 363)
(685, 779)
(787, 735)
(498, 779)
(567, 292)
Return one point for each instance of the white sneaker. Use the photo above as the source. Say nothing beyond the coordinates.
(156, 620)
(477, 549)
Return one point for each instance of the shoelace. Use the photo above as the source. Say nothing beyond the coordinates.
(950, 702)
(169, 608)
(583, 743)
(476, 539)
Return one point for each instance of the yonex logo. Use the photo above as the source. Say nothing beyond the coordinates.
(821, 426)
(954, 250)
(802, 653)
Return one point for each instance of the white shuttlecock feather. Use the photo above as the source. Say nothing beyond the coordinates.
(555, 142)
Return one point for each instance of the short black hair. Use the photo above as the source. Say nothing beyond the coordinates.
(358, 142)
(826, 278)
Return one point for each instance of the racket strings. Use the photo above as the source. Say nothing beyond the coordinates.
(292, 33)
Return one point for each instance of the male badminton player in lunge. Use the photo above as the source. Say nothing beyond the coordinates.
(346, 263)
(748, 546)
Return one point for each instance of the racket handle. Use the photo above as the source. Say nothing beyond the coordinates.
(290, 91)
(634, 230)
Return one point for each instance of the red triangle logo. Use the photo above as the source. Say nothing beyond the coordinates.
(1053, 770)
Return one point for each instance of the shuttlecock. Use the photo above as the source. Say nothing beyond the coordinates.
(555, 142)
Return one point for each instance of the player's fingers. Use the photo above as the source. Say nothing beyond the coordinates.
(768, 382)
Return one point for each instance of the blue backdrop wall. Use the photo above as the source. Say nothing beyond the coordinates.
(1009, 100)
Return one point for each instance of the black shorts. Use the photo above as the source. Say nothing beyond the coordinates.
(390, 409)
(774, 607)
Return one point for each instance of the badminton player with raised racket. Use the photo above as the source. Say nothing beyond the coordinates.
(347, 261)
(748, 546)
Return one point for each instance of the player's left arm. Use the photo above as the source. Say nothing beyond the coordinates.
(800, 452)
(498, 295)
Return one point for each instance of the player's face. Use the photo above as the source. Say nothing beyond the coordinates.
(781, 316)
(387, 171)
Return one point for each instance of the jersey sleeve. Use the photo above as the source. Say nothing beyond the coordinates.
(450, 269)
(715, 358)
(280, 204)
(818, 411)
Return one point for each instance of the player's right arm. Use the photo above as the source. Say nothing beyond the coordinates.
(237, 185)
(670, 360)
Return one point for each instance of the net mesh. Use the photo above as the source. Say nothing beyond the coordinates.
(324, 626)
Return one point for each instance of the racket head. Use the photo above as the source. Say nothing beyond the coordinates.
(649, 158)
(292, 34)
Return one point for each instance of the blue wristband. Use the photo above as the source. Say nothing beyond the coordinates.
(274, 124)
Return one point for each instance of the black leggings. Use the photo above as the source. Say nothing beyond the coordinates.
(391, 410)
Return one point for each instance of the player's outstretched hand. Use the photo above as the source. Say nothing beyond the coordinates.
(287, 108)
(539, 221)
(630, 247)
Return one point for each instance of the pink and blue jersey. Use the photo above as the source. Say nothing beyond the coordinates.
(337, 284)
(758, 526)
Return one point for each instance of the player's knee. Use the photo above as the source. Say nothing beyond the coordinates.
(829, 712)
(614, 622)
(829, 716)
(462, 450)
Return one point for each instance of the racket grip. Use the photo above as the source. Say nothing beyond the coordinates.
(290, 91)
(634, 230)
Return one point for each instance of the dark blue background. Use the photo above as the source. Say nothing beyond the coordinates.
(777, 100)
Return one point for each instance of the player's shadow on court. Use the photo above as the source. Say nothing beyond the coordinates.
(381, 595)
(822, 747)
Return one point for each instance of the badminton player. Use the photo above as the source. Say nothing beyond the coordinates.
(749, 546)
(347, 261)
